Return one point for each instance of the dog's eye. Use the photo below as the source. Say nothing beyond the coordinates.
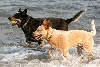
(40, 30)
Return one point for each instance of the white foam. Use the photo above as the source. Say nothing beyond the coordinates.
(19, 53)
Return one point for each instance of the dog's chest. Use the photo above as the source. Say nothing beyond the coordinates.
(55, 45)
(57, 41)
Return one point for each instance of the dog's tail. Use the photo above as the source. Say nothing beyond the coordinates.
(76, 17)
(93, 28)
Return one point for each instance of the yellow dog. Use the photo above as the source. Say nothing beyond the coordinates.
(64, 40)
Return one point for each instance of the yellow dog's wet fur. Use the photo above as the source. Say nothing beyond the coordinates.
(64, 40)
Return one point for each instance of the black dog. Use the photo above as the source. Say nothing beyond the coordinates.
(29, 24)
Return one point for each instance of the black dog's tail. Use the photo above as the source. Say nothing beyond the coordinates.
(76, 17)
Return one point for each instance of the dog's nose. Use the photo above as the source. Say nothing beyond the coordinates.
(9, 18)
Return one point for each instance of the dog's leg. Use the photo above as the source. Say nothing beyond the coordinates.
(79, 49)
(42, 43)
(88, 46)
(63, 57)
(28, 44)
(89, 50)
(65, 52)
(50, 54)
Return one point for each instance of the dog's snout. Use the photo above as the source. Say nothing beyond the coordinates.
(33, 33)
(9, 18)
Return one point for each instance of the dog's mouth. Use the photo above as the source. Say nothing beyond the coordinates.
(38, 37)
(16, 21)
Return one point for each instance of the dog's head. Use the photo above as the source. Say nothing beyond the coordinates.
(42, 31)
(17, 18)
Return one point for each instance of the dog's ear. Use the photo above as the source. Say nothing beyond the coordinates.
(46, 24)
(25, 11)
(20, 10)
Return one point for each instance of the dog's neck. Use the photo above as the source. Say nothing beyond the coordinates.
(49, 34)
(26, 22)
(48, 39)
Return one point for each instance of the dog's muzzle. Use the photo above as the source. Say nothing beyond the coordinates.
(38, 37)
(14, 21)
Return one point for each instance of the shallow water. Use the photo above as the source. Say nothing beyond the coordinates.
(11, 37)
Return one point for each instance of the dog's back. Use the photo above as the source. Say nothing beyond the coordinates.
(81, 36)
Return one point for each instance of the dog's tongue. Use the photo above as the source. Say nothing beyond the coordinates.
(37, 37)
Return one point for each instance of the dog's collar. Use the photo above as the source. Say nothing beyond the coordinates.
(26, 22)
(48, 39)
